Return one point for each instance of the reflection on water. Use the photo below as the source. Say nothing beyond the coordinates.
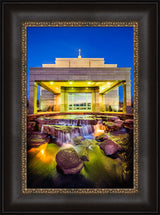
(101, 171)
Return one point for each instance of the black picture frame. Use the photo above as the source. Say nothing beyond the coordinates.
(13, 14)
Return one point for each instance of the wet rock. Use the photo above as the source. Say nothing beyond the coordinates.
(68, 161)
(111, 126)
(88, 142)
(58, 142)
(31, 127)
(119, 122)
(87, 121)
(83, 152)
(102, 137)
(57, 130)
(40, 121)
(129, 121)
(122, 131)
(112, 118)
(64, 120)
(128, 124)
(109, 118)
(78, 140)
(109, 147)
(37, 139)
(122, 138)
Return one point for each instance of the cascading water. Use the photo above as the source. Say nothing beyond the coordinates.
(82, 127)
(42, 129)
(85, 131)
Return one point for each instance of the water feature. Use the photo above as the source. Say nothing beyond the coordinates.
(80, 132)
(65, 129)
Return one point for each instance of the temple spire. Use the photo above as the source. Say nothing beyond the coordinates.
(79, 53)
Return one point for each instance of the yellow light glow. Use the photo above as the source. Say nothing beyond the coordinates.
(89, 82)
(51, 83)
(98, 129)
(70, 82)
(42, 151)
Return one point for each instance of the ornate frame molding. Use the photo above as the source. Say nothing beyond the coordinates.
(24, 188)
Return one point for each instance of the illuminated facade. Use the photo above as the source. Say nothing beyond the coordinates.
(79, 84)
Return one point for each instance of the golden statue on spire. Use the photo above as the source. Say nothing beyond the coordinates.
(79, 53)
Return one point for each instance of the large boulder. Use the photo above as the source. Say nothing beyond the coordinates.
(112, 126)
(68, 161)
(36, 139)
(112, 118)
(110, 147)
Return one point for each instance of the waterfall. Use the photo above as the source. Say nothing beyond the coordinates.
(42, 129)
(65, 138)
(80, 127)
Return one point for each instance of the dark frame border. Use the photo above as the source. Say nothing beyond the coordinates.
(13, 15)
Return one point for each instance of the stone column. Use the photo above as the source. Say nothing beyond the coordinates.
(101, 102)
(65, 101)
(62, 109)
(93, 100)
(124, 97)
(57, 102)
(111, 100)
(35, 98)
(32, 98)
(97, 108)
(128, 94)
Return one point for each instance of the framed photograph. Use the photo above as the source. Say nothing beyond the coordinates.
(79, 120)
(79, 80)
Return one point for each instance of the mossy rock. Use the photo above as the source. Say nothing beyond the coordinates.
(83, 152)
(68, 161)
(88, 142)
(102, 137)
(110, 147)
(78, 140)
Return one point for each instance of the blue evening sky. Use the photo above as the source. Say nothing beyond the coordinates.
(114, 44)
